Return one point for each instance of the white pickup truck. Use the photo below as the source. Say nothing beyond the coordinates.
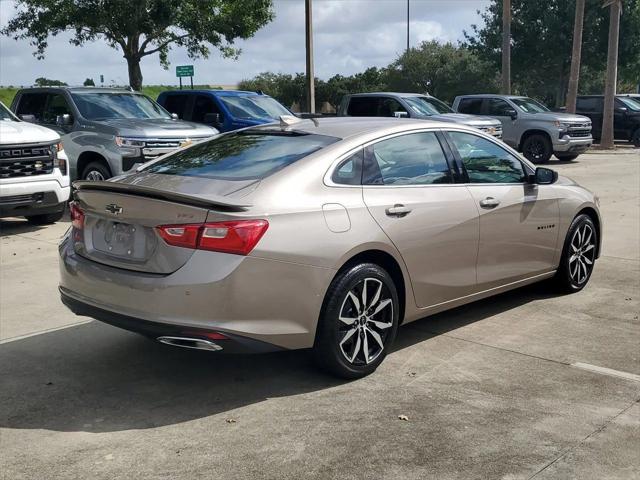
(34, 171)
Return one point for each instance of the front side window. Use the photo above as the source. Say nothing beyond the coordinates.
(472, 106)
(413, 159)
(529, 105)
(427, 105)
(254, 107)
(243, 155)
(103, 105)
(56, 106)
(486, 162)
(202, 106)
(498, 107)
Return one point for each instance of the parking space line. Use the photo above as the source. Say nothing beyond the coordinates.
(607, 371)
(49, 330)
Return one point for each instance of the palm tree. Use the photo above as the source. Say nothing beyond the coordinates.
(506, 47)
(615, 9)
(576, 53)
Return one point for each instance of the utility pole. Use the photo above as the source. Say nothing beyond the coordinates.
(576, 54)
(615, 10)
(506, 47)
(311, 94)
(408, 26)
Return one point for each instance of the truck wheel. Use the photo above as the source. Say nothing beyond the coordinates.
(96, 171)
(45, 219)
(537, 148)
(566, 157)
(635, 139)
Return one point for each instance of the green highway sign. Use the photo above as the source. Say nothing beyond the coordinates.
(184, 71)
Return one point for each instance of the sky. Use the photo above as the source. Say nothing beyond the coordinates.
(349, 36)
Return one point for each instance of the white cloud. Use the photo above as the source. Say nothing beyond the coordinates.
(349, 35)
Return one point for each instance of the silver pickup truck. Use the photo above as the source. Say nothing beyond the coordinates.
(106, 131)
(530, 127)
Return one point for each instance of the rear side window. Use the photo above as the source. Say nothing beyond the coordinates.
(363, 107)
(32, 104)
(413, 159)
(176, 104)
(590, 104)
(472, 106)
(245, 155)
(349, 171)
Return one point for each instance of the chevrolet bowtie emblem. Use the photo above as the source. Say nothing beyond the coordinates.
(113, 209)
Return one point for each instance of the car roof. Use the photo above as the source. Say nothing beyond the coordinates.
(482, 95)
(80, 89)
(388, 94)
(347, 127)
(216, 92)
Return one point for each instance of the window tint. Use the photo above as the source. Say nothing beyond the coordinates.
(589, 104)
(414, 159)
(363, 107)
(244, 155)
(56, 105)
(202, 106)
(529, 105)
(32, 104)
(498, 107)
(389, 107)
(470, 105)
(486, 162)
(349, 172)
(176, 104)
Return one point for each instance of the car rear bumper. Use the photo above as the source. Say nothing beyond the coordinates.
(270, 301)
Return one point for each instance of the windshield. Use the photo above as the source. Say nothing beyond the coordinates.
(427, 105)
(529, 105)
(104, 105)
(5, 114)
(244, 155)
(631, 103)
(254, 107)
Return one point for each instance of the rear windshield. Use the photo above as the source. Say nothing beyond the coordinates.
(245, 155)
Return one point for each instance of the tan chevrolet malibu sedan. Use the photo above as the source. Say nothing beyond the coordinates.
(325, 234)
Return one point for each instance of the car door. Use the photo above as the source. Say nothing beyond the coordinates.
(500, 109)
(518, 220)
(409, 189)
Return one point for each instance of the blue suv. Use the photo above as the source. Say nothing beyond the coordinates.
(225, 110)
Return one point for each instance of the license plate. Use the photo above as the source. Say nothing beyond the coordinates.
(119, 239)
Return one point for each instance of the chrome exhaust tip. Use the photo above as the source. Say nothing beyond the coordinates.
(187, 342)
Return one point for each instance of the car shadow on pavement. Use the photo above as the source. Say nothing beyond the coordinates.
(97, 378)
(17, 226)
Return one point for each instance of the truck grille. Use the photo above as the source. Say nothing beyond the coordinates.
(579, 133)
(21, 161)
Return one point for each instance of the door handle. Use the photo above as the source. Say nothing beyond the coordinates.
(398, 210)
(489, 202)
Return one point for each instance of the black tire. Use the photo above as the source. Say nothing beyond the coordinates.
(635, 138)
(565, 279)
(566, 157)
(334, 340)
(537, 148)
(96, 171)
(45, 219)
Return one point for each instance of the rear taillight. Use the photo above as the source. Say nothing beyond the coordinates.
(77, 216)
(238, 237)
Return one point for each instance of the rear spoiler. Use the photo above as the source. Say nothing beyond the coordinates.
(216, 202)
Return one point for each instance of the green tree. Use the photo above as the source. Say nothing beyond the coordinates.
(89, 82)
(442, 70)
(43, 82)
(542, 34)
(142, 27)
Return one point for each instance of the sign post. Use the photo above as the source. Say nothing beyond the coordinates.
(184, 71)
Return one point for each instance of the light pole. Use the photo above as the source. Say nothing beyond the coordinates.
(311, 94)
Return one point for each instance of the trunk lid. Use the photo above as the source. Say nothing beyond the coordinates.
(120, 220)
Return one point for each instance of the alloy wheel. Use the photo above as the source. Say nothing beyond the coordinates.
(582, 254)
(366, 317)
(95, 176)
(535, 149)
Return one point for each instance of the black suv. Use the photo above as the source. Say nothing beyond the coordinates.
(626, 120)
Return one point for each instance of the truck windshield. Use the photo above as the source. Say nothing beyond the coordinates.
(245, 155)
(5, 114)
(529, 105)
(427, 105)
(105, 105)
(254, 107)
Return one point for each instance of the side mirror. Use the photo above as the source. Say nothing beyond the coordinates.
(511, 113)
(64, 120)
(212, 119)
(401, 114)
(544, 176)
(174, 116)
(28, 118)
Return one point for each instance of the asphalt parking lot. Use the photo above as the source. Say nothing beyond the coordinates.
(510, 387)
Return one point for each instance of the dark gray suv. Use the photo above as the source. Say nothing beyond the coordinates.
(106, 131)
